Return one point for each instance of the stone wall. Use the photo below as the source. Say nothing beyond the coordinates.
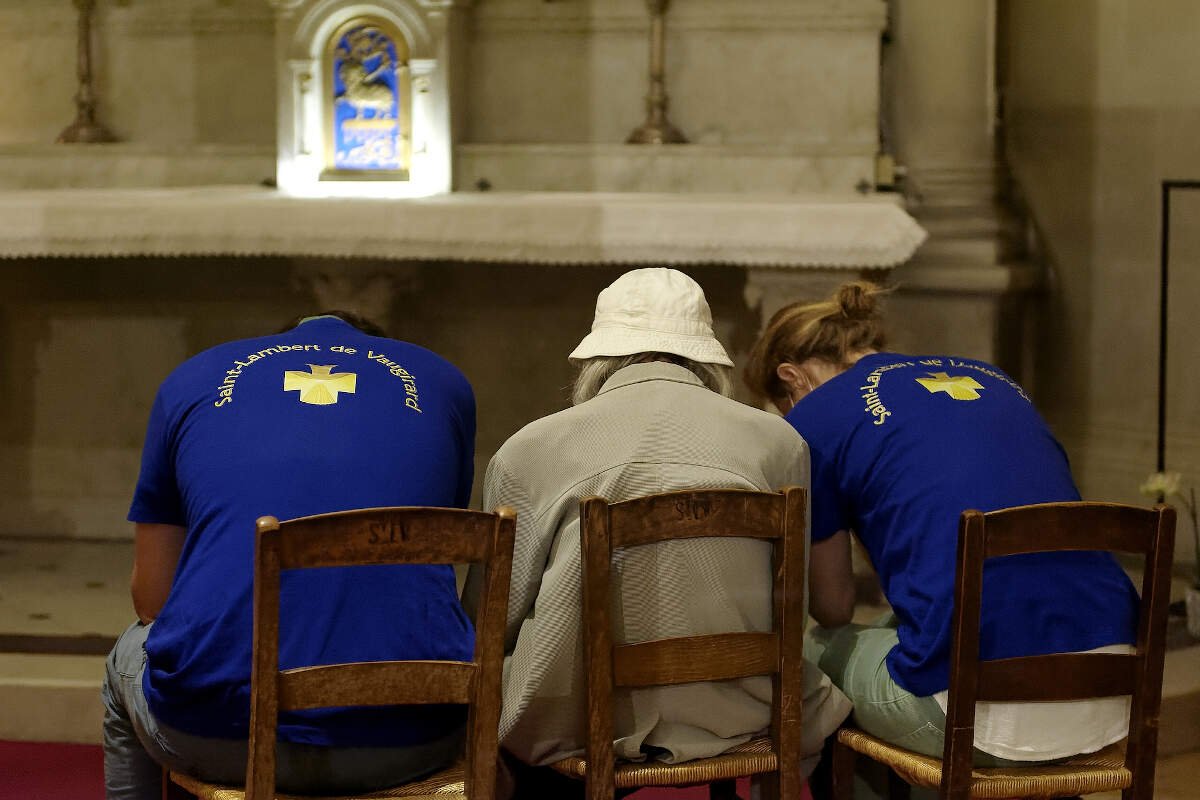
(85, 343)
(775, 95)
(172, 73)
(1102, 108)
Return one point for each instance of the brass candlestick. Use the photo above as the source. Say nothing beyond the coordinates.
(657, 129)
(85, 129)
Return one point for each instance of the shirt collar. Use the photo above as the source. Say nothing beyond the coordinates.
(321, 318)
(650, 371)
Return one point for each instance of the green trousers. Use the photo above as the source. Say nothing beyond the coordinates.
(853, 656)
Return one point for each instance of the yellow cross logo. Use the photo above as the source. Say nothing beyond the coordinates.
(961, 387)
(321, 387)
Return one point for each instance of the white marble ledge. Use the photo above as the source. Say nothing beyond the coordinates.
(785, 231)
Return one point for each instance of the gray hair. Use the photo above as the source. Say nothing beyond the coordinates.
(593, 372)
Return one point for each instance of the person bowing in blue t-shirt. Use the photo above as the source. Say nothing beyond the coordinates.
(326, 416)
(900, 446)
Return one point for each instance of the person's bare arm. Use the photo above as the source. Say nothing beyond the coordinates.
(156, 550)
(831, 581)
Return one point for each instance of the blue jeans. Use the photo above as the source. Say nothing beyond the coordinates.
(137, 746)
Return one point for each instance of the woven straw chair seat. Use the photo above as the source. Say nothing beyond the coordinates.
(444, 785)
(751, 758)
(1102, 771)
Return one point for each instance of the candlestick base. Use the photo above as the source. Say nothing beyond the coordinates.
(83, 131)
(656, 132)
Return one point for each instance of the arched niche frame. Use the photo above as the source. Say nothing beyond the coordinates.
(305, 30)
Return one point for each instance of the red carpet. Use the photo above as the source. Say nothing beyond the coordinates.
(42, 771)
(690, 793)
(700, 793)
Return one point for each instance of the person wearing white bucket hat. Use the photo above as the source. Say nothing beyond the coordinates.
(651, 413)
(649, 310)
(652, 314)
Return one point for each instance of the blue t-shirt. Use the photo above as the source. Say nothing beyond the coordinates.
(901, 446)
(321, 418)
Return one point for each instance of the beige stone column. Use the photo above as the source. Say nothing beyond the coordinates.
(769, 289)
(939, 108)
(964, 291)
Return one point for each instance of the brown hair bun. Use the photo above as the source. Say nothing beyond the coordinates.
(835, 330)
(857, 300)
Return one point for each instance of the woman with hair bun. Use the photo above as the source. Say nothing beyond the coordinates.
(900, 446)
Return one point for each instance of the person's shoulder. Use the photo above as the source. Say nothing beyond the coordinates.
(979, 367)
(986, 367)
(765, 446)
(538, 429)
(736, 409)
(947, 358)
(534, 438)
(424, 364)
(512, 459)
(423, 355)
(403, 347)
(747, 420)
(783, 433)
(952, 360)
(200, 364)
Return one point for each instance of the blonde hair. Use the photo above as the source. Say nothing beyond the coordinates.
(593, 372)
(832, 330)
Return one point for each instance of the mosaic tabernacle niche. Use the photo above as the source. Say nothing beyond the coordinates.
(363, 97)
(368, 102)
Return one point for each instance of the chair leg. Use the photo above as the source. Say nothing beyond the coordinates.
(1143, 785)
(843, 771)
(723, 790)
(767, 786)
(820, 782)
(898, 788)
(173, 791)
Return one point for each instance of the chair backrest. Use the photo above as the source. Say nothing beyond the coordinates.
(774, 517)
(373, 537)
(1054, 527)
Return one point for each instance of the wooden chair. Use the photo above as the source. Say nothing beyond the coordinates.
(1027, 529)
(369, 537)
(775, 517)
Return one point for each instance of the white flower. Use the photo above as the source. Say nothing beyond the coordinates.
(1161, 484)
(1166, 485)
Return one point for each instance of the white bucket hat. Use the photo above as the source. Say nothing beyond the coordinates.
(653, 310)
